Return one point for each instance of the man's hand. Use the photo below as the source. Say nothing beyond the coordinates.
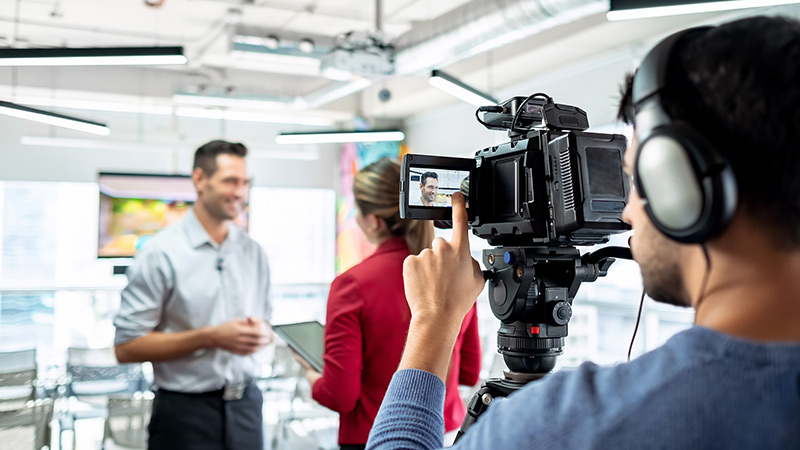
(442, 283)
(441, 286)
(241, 336)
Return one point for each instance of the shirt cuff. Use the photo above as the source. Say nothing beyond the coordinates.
(417, 386)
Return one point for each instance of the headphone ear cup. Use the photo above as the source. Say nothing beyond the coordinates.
(688, 188)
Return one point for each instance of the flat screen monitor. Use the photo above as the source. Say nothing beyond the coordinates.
(134, 207)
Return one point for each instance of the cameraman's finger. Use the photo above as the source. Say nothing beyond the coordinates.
(460, 236)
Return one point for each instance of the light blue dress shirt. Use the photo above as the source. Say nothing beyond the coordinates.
(182, 280)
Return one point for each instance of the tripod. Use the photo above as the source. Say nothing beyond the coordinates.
(531, 290)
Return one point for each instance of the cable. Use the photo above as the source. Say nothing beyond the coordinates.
(522, 106)
(497, 109)
(704, 284)
(636, 327)
(700, 298)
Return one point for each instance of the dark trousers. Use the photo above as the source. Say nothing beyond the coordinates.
(352, 447)
(206, 422)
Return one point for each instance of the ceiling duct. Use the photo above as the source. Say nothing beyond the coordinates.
(482, 25)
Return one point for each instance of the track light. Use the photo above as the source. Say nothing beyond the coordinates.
(59, 120)
(272, 42)
(640, 9)
(101, 56)
(456, 88)
(339, 137)
(306, 45)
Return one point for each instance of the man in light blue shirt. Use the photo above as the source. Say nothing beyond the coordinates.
(197, 306)
(715, 210)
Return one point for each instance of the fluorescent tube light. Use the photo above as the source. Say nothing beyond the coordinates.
(339, 137)
(324, 95)
(59, 120)
(456, 88)
(245, 116)
(42, 141)
(92, 105)
(101, 56)
(235, 102)
(99, 144)
(621, 10)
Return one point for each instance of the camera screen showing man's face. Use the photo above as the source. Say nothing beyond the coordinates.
(436, 186)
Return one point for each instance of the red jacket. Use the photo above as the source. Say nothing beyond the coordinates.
(365, 332)
(465, 369)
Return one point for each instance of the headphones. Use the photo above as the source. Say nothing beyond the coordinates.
(687, 186)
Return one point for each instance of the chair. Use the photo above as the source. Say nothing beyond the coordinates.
(92, 376)
(27, 427)
(18, 378)
(128, 417)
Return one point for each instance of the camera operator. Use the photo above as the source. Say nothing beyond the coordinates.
(730, 381)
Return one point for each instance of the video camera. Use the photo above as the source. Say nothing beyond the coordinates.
(553, 183)
(552, 187)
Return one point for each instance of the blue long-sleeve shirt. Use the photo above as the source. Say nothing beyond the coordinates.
(700, 390)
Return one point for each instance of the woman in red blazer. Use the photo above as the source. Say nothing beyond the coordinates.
(367, 315)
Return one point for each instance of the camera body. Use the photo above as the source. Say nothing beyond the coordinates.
(553, 183)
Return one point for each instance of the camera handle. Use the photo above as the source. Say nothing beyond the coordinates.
(584, 268)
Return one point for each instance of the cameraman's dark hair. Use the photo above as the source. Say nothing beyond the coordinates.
(376, 189)
(424, 178)
(739, 85)
(206, 156)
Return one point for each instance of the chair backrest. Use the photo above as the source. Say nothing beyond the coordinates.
(95, 371)
(17, 378)
(27, 427)
(127, 420)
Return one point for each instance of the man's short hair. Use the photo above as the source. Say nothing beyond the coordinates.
(737, 84)
(206, 156)
(424, 178)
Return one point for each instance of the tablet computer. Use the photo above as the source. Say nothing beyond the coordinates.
(305, 338)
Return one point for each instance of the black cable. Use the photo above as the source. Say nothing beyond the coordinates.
(705, 280)
(636, 327)
(497, 109)
(522, 106)
(702, 293)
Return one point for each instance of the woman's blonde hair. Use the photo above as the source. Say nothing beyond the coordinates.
(376, 189)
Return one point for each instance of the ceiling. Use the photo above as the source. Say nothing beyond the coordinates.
(490, 45)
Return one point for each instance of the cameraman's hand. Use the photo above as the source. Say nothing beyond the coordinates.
(441, 284)
(241, 336)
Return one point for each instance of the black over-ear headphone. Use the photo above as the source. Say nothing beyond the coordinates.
(687, 186)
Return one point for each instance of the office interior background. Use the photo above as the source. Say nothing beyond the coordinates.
(256, 69)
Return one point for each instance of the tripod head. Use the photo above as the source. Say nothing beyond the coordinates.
(531, 290)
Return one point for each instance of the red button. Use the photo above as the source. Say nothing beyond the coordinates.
(534, 330)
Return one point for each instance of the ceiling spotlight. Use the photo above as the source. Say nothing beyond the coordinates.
(272, 42)
(306, 45)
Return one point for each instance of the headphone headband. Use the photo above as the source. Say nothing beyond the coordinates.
(687, 187)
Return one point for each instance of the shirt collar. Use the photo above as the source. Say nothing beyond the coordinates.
(198, 235)
(392, 245)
